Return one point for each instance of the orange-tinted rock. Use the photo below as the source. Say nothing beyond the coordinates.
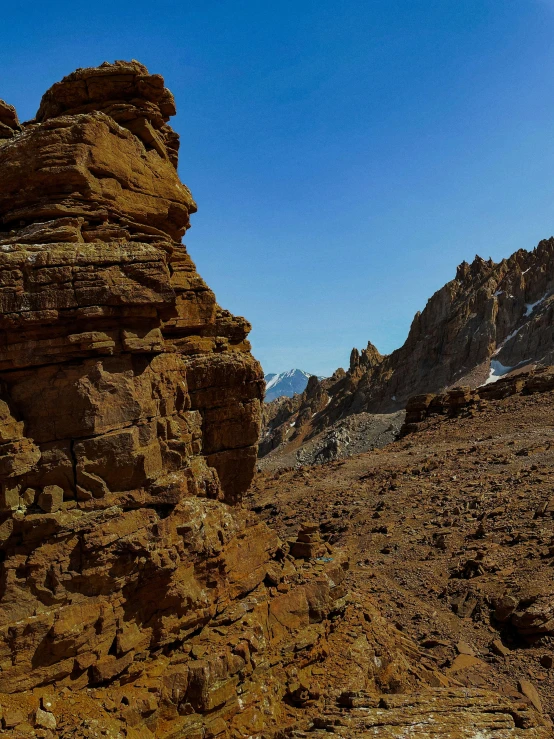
(129, 401)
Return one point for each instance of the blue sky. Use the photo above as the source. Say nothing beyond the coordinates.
(345, 157)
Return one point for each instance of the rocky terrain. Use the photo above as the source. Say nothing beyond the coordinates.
(134, 589)
(354, 434)
(491, 319)
(139, 596)
(450, 530)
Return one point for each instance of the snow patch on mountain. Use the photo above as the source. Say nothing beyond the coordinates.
(289, 383)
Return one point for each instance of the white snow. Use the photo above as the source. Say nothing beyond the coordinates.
(498, 370)
(285, 376)
(273, 382)
(530, 307)
(498, 292)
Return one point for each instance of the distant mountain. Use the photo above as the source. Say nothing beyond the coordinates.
(286, 384)
(491, 319)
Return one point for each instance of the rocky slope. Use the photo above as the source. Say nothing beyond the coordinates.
(355, 434)
(490, 319)
(451, 529)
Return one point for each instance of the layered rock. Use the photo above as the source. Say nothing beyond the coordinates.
(129, 400)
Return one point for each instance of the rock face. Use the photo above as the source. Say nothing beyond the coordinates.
(492, 318)
(129, 401)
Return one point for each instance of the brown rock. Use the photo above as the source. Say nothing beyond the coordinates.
(149, 407)
(464, 648)
(463, 662)
(547, 661)
(499, 649)
(45, 720)
(51, 498)
(9, 123)
(504, 608)
(529, 691)
(12, 717)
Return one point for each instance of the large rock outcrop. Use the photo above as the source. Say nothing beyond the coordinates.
(129, 400)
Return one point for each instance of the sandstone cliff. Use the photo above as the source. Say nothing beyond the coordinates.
(129, 400)
(492, 318)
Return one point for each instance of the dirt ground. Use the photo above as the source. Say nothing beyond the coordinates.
(450, 531)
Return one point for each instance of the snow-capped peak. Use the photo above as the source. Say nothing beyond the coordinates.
(287, 383)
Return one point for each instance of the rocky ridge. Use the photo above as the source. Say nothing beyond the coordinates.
(491, 319)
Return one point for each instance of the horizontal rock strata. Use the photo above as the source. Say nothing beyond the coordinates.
(129, 401)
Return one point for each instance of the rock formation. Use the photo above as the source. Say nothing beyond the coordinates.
(491, 319)
(129, 401)
(423, 411)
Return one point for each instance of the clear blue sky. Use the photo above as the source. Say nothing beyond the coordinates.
(345, 156)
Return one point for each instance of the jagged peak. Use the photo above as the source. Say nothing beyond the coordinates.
(477, 267)
(368, 357)
(9, 122)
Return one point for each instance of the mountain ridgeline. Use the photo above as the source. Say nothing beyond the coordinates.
(491, 319)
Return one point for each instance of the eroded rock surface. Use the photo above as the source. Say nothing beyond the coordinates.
(129, 401)
(451, 531)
